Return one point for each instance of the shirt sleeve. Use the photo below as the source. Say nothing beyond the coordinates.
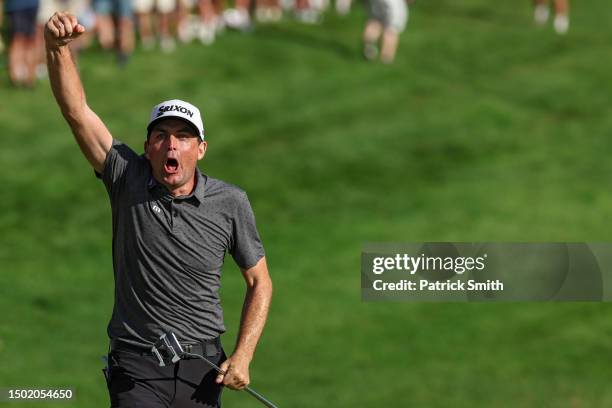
(246, 247)
(118, 161)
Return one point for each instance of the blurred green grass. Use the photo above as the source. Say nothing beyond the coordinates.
(485, 129)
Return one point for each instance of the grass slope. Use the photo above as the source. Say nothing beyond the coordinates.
(486, 128)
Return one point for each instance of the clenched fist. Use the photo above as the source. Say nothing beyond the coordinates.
(61, 29)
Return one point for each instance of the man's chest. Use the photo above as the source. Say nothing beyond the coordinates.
(196, 232)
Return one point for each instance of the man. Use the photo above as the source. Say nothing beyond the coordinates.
(171, 228)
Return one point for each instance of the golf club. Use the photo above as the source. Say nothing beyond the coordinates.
(169, 350)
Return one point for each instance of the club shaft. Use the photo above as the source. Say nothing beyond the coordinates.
(260, 397)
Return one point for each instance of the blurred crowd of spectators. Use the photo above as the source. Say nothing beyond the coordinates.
(119, 24)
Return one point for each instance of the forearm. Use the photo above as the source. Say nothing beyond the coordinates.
(66, 84)
(254, 316)
(91, 134)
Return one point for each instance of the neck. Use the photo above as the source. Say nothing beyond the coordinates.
(185, 189)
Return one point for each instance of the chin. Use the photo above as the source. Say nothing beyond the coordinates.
(172, 181)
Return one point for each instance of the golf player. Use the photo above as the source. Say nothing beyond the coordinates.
(172, 226)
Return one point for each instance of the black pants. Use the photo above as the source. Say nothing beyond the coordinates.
(136, 380)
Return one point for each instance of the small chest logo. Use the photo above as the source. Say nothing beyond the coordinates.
(156, 209)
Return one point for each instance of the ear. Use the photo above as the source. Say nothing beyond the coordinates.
(202, 150)
(146, 148)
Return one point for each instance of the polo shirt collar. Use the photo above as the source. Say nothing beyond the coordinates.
(201, 180)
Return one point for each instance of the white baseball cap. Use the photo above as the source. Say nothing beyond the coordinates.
(175, 108)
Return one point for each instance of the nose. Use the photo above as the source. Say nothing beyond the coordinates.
(172, 141)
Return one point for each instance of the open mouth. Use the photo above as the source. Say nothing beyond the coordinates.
(171, 165)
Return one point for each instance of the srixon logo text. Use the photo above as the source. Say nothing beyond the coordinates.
(174, 108)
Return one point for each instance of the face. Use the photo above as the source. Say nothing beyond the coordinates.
(173, 151)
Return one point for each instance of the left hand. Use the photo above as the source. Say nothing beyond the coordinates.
(236, 369)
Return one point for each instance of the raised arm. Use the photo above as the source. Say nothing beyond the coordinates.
(91, 134)
(252, 322)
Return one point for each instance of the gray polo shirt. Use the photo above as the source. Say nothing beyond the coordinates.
(168, 251)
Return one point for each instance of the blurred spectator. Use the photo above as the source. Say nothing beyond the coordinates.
(239, 18)
(21, 19)
(204, 26)
(144, 13)
(542, 12)
(343, 7)
(268, 11)
(1, 16)
(187, 25)
(211, 23)
(219, 6)
(387, 18)
(306, 13)
(105, 26)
